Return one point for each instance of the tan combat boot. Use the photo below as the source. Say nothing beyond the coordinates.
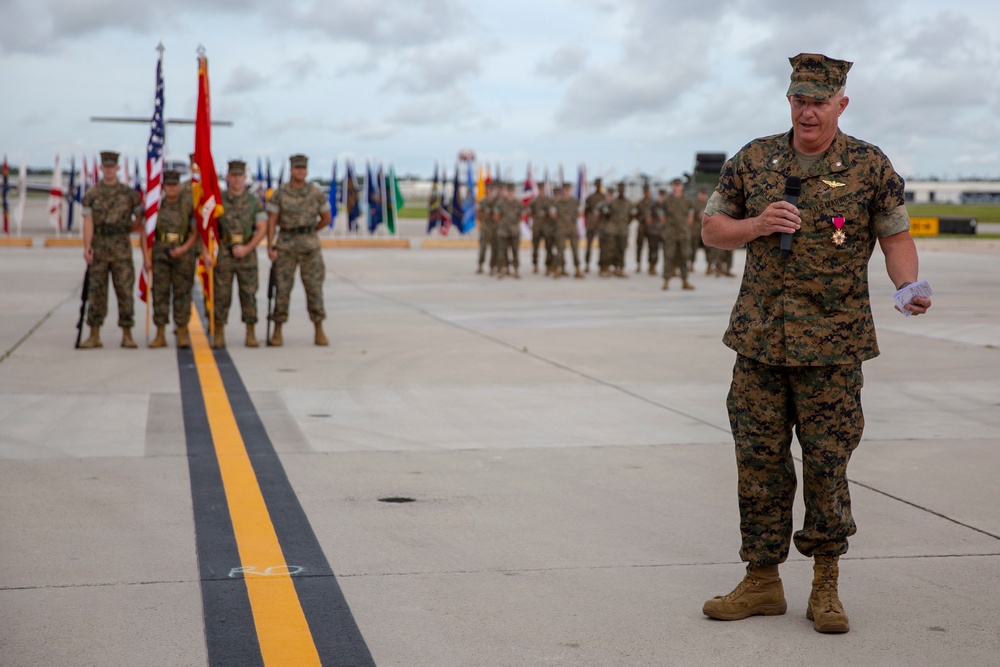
(251, 336)
(320, 338)
(825, 610)
(687, 285)
(480, 269)
(578, 274)
(666, 283)
(535, 269)
(183, 339)
(759, 594)
(127, 341)
(652, 270)
(161, 336)
(517, 273)
(276, 339)
(219, 341)
(94, 340)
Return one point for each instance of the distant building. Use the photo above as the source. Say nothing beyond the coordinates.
(952, 192)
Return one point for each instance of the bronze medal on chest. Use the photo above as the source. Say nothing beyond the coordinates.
(839, 236)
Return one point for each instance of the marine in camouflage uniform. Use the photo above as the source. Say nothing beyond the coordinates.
(172, 262)
(487, 228)
(296, 211)
(657, 228)
(507, 213)
(541, 230)
(677, 235)
(801, 327)
(592, 217)
(566, 210)
(110, 210)
(617, 214)
(241, 228)
(644, 213)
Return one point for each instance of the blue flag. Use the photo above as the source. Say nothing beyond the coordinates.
(332, 195)
(374, 201)
(72, 199)
(457, 203)
(260, 185)
(469, 208)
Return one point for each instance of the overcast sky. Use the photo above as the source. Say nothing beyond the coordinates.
(626, 86)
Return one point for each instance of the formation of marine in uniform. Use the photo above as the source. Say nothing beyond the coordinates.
(294, 214)
(669, 224)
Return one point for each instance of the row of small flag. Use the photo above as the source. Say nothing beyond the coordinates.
(459, 208)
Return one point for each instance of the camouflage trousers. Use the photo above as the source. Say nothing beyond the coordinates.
(508, 250)
(641, 236)
(245, 272)
(487, 240)
(172, 277)
(822, 404)
(592, 233)
(675, 256)
(613, 249)
(539, 234)
(313, 272)
(655, 243)
(563, 239)
(123, 277)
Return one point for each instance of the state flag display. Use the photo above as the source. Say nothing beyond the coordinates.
(434, 204)
(6, 187)
(580, 193)
(332, 196)
(70, 193)
(56, 198)
(154, 174)
(394, 199)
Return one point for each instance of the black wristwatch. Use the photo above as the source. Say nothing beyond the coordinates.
(904, 285)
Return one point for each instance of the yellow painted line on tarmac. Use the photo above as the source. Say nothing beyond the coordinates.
(282, 629)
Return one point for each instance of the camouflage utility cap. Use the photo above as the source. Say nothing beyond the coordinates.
(109, 159)
(237, 167)
(814, 75)
(171, 177)
(677, 181)
(298, 160)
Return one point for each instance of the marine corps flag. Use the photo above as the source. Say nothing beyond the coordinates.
(207, 195)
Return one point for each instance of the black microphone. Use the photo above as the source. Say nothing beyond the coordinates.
(793, 186)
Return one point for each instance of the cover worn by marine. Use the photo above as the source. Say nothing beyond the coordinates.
(111, 207)
(170, 274)
(298, 245)
(237, 225)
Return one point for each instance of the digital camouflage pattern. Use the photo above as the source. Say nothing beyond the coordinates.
(298, 211)
(542, 227)
(508, 213)
(813, 307)
(676, 236)
(236, 227)
(487, 229)
(567, 211)
(814, 75)
(592, 217)
(644, 214)
(616, 215)
(174, 225)
(823, 403)
(112, 209)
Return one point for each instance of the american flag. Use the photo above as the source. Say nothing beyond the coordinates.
(154, 170)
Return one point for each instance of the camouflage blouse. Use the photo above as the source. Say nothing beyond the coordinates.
(812, 308)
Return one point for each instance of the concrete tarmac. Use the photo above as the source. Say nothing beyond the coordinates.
(566, 446)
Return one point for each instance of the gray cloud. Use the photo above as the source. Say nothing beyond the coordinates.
(563, 62)
(244, 80)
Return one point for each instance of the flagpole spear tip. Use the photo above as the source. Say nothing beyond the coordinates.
(201, 50)
(160, 47)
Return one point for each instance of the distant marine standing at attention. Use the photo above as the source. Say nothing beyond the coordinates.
(111, 211)
(296, 212)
